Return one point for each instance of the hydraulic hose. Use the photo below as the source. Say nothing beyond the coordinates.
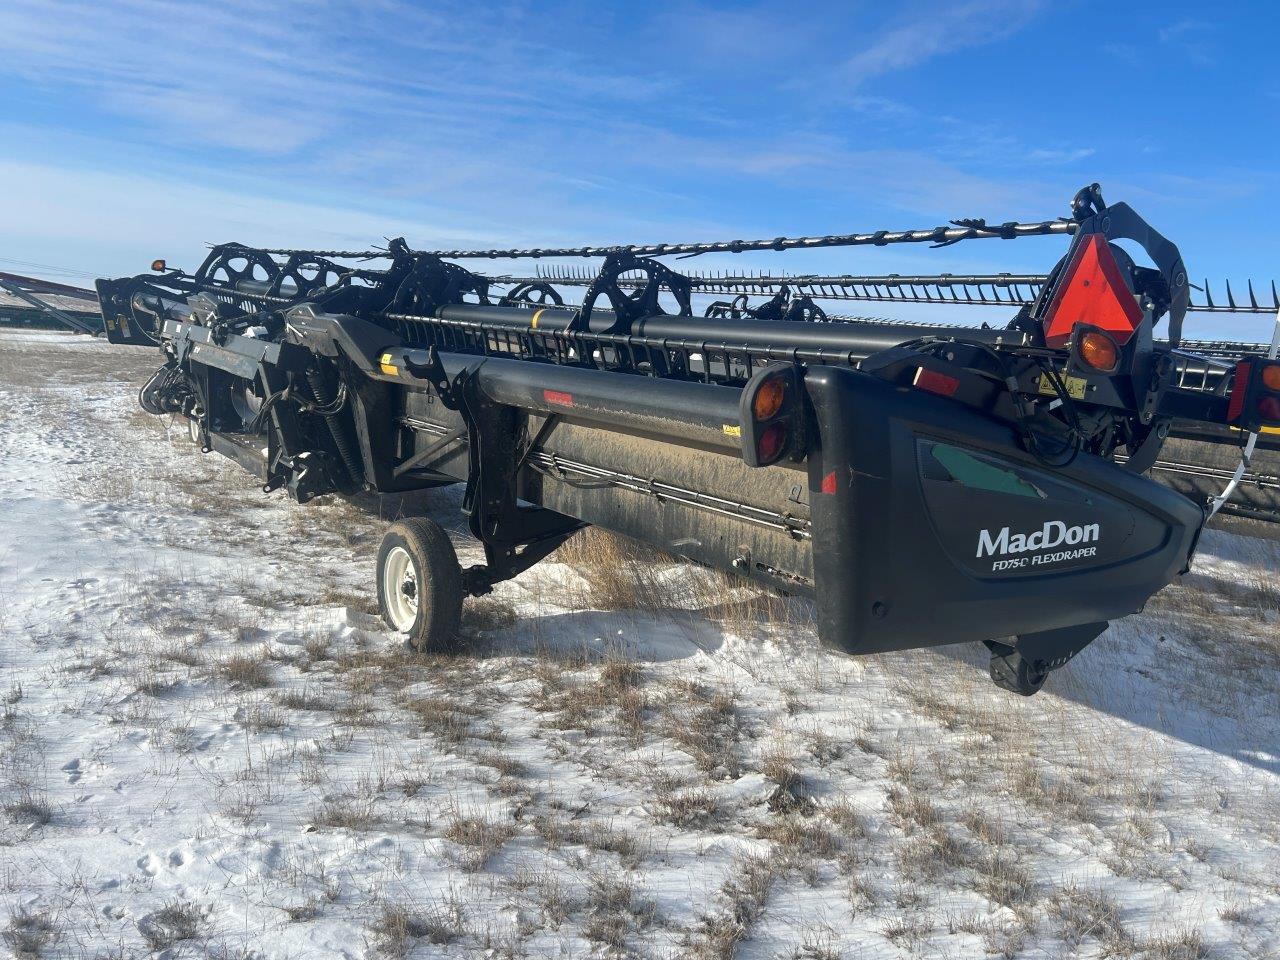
(332, 414)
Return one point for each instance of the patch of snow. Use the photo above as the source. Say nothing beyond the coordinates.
(205, 724)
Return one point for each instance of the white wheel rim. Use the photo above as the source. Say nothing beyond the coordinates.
(193, 430)
(400, 589)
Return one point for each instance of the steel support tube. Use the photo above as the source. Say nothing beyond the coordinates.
(702, 414)
(859, 339)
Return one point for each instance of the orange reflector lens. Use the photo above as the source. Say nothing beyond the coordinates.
(157, 265)
(1269, 408)
(772, 439)
(768, 399)
(1271, 377)
(1099, 351)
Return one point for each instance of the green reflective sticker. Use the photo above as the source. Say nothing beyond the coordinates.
(970, 471)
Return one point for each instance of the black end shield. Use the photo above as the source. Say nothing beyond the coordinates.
(932, 525)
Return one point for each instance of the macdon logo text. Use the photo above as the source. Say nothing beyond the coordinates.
(1054, 533)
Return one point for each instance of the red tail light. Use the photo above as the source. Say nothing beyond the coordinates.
(1255, 394)
(1092, 291)
(771, 415)
(1239, 390)
(773, 439)
(936, 382)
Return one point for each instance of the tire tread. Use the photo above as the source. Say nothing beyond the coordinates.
(439, 580)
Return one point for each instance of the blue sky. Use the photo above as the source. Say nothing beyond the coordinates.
(130, 130)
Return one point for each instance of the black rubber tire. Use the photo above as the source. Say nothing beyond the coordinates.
(1011, 671)
(438, 583)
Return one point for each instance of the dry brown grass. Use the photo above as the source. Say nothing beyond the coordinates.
(931, 854)
(479, 837)
(246, 670)
(742, 902)
(399, 927)
(799, 840)
(594, 835)
(1235, 913)
(176, 922)
(680, 805)
(1186, 944)
(778, 764)
(615, 910)
(345, 813)
(791, 792)
(453, 721)
(847, 819)
(547, 891)
(308, 698)
(318, 648)
(911, 810)
(504, 764)
(263, 718)
(30, 809)
(619, 573)
(1080, 914)
(573, 695)
(183, 654)
(29, 934)
(1230, 625)
(703, 722)
(907, 931)
(482, 616)
(1003, 880)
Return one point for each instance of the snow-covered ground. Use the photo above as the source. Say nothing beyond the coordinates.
(210, 747)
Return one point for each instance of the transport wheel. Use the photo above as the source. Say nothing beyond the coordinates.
(420, 584)
(193, 430)
(1012, 672)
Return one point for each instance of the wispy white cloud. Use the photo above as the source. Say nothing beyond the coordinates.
(1060, 155)
(579, 121)
(275, 76)
(922, 33)
(1180, 29)
(1194, 38)
(130, 218)
(451, 105)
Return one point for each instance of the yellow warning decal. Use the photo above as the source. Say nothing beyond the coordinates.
(1075, 386)
(533, 323)
(732, 430)
(389, 368)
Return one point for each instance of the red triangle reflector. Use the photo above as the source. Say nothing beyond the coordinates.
(1092, 292)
